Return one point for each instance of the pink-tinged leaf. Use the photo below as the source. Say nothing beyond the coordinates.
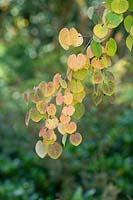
(27, 118)
(42, 131)
(76, 139)
(59, 99)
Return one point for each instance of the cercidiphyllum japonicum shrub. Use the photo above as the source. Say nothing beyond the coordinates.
(59, 103)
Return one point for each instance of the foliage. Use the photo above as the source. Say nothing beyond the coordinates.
(101, 167)
(65, 106)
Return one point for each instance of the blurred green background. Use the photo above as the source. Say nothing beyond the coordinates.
(101, 167)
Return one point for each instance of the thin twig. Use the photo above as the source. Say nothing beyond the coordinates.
(88, 43)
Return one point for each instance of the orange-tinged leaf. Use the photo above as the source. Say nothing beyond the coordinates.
(68, 98)
(70, 127)
(35, 115)
(68, 110)
(54, 150)
(51, 123)
(56, 80)
(76, 139)
(59, 99)
(49, 137)
(64, 119)
(34, 96)
(76, 38)
(89, 52)
(51, 109)
(50, 89)
(98, 78)
(78, 62)
(64, 38)
(97, 63)
(41, 149)
(73, 36)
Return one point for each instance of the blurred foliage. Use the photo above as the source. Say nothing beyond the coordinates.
(101, 168)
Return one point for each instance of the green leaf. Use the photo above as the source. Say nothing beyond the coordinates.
(119, 6)
(96, 49)
(80, 74)
(108, 4)
(112, 20)
(41, 149)
(100, 31)
(111, 47)
(76, 86)
(79, 111)
(130, 5)
(97, 97)
(108, 88)
(129, 42)
(35, 115)
(128, 22)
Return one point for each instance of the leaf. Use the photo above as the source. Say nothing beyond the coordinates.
(63, 84)
(51, 109)
(41, 149)
(64, 119)
(110, 76)
(70, 127)
(128, 22)
(97, 98)
(96, 48)
(79, 111)
(64, 38)
(97, 63)
(49, 137)
(76, 139)
(68, 110)
(76, 86)
(64, 139)
(80, 75)
(78, 97)
(131, 31)
(61, 128)
(130, 5)
(41, 106)
(111, 47)
(112, 20)
(51, 123)
(98, 77)
(119, 6)
(76, 38)
(108, 88)
(78, 62)
(129, 42)
(100, 31)
(35, 115)
(68, 98)
(54, 150)
(27, 118)
(108, 4)
(59, 99)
